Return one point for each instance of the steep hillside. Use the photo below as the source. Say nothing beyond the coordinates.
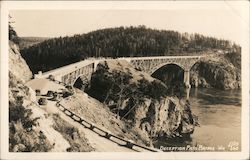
(32, 129)
(24, 131)
(141, 101)
(100, 115)
(118, 42)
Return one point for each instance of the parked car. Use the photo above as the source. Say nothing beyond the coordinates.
(51, 77)
(55, 97)
(38, 92)
(50, 93)
(42, 101)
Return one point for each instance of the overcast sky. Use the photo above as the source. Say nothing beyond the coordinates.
(224, 23)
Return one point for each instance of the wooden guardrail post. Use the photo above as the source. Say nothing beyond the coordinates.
(91, 127)
(107, 135)
(129, 144)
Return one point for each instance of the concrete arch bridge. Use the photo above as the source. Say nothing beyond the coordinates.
(84, 69)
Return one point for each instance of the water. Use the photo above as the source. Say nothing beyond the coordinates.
(219, 114)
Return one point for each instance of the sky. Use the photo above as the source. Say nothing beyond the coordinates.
(224, 23)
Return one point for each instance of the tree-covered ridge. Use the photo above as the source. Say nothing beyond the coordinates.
(118, 42)
(26, 42)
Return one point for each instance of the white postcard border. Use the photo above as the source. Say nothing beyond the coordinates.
(6, 6)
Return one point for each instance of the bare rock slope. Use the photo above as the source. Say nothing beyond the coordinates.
(17, 65)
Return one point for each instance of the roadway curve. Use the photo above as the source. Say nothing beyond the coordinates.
(100, 144)
(96, 139)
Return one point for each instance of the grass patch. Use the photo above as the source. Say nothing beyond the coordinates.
(76, 138)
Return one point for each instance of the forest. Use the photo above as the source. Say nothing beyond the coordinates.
(119, 42)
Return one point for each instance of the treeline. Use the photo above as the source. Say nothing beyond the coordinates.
(26, 42)
(118, 42)
(12, 33)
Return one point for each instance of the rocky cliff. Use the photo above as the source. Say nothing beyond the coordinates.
(24, 133)
(17, 65)
(140, 100)
(221, 72)
(32, 129)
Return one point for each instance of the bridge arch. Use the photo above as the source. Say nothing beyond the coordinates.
(197, 67)
(170, 73)
(154, 69)
(186, 66)
(81, 82)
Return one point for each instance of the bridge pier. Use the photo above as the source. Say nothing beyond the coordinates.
(187, 78)
(187, 82)
(95, 65)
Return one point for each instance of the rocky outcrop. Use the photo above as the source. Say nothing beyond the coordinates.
(32, 129)
(165, 118)
(218, 72)
(17, 65)
(24, 132)
(141, 100)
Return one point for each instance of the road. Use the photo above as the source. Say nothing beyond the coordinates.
(100, 144)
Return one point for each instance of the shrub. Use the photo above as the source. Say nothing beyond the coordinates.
(66, 94)
(22, 138)
(68, 87)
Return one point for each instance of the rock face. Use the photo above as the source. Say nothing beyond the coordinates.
(141, 100)
(19, 73)
(24, 132)
(217, 72)
(32, 129)
(17, 65)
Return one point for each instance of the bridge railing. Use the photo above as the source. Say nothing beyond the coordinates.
(159, 57)
(69, 67)
(65, 69)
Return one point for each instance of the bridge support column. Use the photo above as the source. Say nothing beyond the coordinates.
(95, 65)
(187, 82)
(186, 79)
(39, 75)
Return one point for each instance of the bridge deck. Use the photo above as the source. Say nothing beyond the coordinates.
(70, 67)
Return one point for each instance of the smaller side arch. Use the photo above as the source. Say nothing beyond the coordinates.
(81, 82)
(81, 76)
